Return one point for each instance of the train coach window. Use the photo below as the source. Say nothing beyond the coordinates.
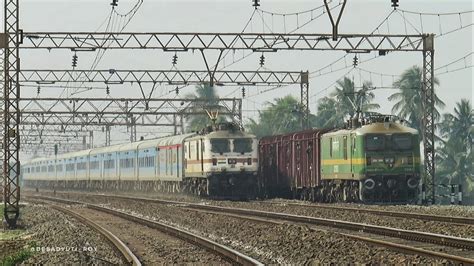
(374, 142)
(220, 145)
(242, 145)
(401, 142)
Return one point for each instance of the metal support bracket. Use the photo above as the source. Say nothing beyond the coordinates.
(335, 25)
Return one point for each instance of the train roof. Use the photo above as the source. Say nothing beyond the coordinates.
(386, 128)
(377, 128)
(161, 141)
(229, 134)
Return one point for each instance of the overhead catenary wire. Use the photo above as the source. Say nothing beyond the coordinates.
(115, 23)
(435, 14)
(455, 61)
(293, 13)
(321, 72)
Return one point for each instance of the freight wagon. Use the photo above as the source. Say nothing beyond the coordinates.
(374, 161)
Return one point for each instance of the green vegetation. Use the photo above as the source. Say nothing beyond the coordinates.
(198, 122)
(408, 98)
(9, 234)
(284, 115)
(281, 117)
(454, 156)
(20, 256)
(344, 102)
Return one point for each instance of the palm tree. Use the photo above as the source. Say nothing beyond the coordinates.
(454, 154)
(328, 115)
(460, 124)
(282, 116)
(210, 102)
(409, 100)
(349, 101)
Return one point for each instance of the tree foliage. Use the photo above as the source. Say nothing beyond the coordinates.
(454, 153)
(282, 116)
(211, 100)
(408, 99)
(344, 102)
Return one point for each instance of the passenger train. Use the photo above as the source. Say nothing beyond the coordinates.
(220, 161)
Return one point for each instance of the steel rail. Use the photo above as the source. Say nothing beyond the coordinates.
(126, 253)
(391, 245)
(427, 217)
(439, 239)
(224, 251)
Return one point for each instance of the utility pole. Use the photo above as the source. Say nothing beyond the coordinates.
(11, 41)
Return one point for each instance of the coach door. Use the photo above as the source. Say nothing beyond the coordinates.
(352, 145)
(202, 159)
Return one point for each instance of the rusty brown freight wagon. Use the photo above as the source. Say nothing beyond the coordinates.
(290, 164)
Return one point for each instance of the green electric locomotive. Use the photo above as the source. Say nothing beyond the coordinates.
(373, 161)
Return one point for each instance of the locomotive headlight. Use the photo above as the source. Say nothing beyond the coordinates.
(369, 184)
(412, 182)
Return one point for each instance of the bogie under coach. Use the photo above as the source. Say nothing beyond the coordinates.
(220, 161)
(375, 161)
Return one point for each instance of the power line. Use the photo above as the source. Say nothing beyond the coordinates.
(454, 70)
(436, 14)
(332, 84)
(292, 13)
(455, 61)
(112, 25)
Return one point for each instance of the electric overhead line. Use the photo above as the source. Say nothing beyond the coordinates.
(455, 61)
(420, 16)
(436, 14)
(264, 24)
(116, 22)
(271, 30)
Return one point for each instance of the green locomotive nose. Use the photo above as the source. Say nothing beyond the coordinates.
(384, 160)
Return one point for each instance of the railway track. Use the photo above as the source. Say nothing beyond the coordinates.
(427, 244)
(225, 252)
(426, 217)
(410, 247)
(128, 256)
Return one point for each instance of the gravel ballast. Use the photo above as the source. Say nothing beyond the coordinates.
(287, 244)
(62, 239)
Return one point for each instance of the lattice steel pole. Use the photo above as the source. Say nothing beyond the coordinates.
(11, 141)
(428, 126)
(2, 91)
(305, 99)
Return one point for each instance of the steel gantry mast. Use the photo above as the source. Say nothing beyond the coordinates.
(171, 77)
(257, 42)
(11, 114)
(428, 122)
(267, 42)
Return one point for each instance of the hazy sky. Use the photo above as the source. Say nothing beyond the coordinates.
(361, 16)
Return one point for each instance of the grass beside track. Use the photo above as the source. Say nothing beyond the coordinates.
(22, 253)
(19, 256)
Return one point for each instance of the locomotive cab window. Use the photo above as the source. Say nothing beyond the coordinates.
(220, 145)
(401, 142)
(242, 145)
(374, 142)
